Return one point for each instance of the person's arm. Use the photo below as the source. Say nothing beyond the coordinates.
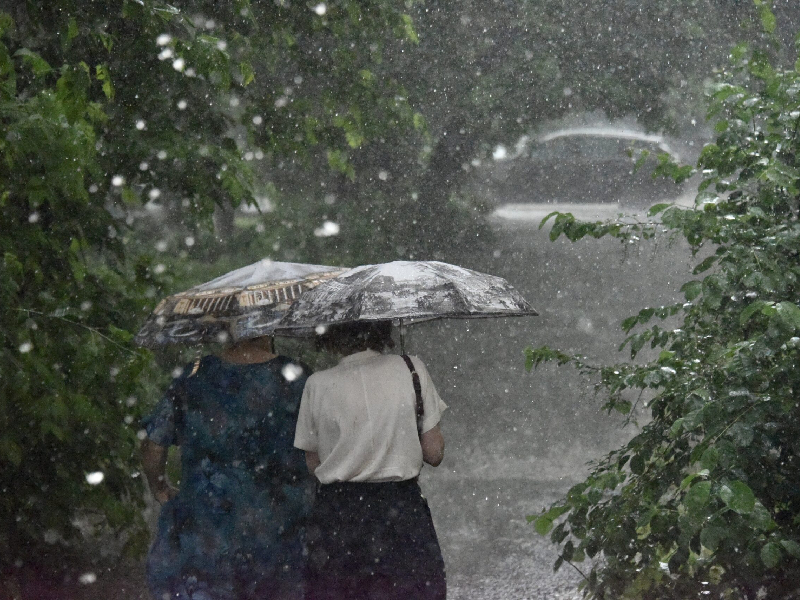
(432, 442)
(154, 463)
(312, 461)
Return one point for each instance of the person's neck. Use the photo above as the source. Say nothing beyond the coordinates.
(247, 353)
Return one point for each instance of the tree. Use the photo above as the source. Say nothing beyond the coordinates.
(106, 106)
(705, 499)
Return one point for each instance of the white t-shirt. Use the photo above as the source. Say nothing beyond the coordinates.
(360, 418)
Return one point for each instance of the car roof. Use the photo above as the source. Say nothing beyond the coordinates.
(608, 132)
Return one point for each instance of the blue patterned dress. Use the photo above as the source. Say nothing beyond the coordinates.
(236, 528)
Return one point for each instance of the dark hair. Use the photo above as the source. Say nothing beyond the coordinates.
(347, 338)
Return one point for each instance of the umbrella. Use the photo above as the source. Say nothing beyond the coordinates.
(242, 304)
(403, 292)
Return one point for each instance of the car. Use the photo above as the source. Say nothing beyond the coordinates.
(582, 165)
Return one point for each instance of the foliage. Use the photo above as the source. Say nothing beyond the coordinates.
(705, 499)
(112, 111)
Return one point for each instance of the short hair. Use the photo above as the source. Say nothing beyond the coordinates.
(347, 338)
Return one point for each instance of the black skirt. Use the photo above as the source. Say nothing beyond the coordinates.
(373, 541)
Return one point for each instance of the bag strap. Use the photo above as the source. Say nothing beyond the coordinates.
(417, 391)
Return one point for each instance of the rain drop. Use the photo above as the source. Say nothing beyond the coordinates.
(291, 372)
(178, 64)
(25, 347)
(33, 217)
(95, 478)
(189, 241)
(87, 578)
(321, 9)
(154, 194)
(140, 124)
(328, 229)
(163, 39)
(500, 153)
(117, 181)
(182, 104)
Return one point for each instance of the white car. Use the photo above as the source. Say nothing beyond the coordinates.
(589, 167)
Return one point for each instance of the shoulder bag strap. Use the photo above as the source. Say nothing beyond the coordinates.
(417, 391)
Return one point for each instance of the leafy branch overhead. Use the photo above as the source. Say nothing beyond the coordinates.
(705, 499)
(109, 108)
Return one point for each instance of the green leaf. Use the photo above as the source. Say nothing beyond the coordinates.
(6, 23)
(692, 289)
(761, 519)
(709, 459)
(657, 208)
(789, 314)
(792, 547)
(768, 21)
(697, 496)
(408, 28)
(10, 451)
(36, 63)
(72, 29)
(103, 74)
(738, 496)
(543, 525)
(637, 464)
(705, 265)
(712, 535)
(771, 555)
(750, 310)
(247, 72)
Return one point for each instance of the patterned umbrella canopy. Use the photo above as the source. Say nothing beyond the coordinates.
(242, 304)
(404, 291)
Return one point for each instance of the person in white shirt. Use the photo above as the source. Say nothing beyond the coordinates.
(366, 436)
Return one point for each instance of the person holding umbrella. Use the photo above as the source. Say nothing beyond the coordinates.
(366, 427)
(236, 528)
